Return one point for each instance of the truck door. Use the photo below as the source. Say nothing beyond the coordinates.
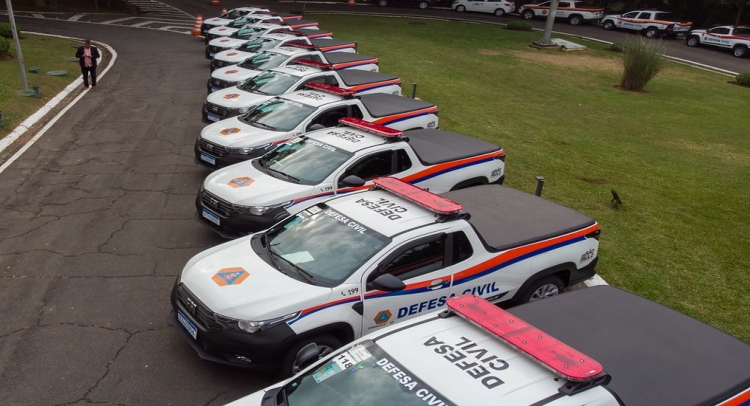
(424, 266)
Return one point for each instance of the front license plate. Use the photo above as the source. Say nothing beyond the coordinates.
(211, 217)
(214, 88)
(188, 325)
(211, 54)
(208, 158)
(212, 117)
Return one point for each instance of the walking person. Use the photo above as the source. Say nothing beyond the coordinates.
(87, 56)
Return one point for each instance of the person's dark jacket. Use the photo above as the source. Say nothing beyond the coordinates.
(94, 55)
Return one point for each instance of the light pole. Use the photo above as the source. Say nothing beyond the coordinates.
(546, 39)
(18, 45)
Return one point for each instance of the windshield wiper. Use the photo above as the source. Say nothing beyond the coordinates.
(288, 176)
(261, 125)
(299, 270)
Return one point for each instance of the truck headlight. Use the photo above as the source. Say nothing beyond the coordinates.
(257, 326)
(258, 210)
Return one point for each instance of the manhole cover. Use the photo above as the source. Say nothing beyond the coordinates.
(72, 59)
(62, 73)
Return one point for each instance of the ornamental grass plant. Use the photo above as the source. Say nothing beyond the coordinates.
(642, 60)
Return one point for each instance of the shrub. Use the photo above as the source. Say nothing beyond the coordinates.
(519, 26)
(4, 46)
(744, 79)
(5, 30)
(642, 61)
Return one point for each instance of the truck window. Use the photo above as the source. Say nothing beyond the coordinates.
(720, 30)
(461, 247)
(329, 118)
(632, 14)
(418, 260)
(644, 16)
(564, 4)
(372, 166)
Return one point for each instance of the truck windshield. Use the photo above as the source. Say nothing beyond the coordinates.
(364, 374)
(264, 61)
(277, 115)
(259, 44)
(247, 32)
(309, 161)
(270, 83)
(323, 244)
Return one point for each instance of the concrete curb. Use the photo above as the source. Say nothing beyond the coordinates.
(49, 106)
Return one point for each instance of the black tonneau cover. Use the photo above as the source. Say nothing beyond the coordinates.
(297, 23)
(434, 146)
(309, 31)
(381, 104)
(655, 355)
(356, 77)
(330, 42)
(343, 57)
(505, 217)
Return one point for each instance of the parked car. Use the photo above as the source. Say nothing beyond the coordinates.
(260, 43)
(726, 36)
(628, 351)
(498, 8)
(250, 32)
(229, 17)
(651, 23)
(575, 12)
(422, 4)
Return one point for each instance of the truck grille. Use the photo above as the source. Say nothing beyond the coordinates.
(213, 149)
(197, 309)
(217, 63)
(216, 204)
(216, 48)
(215, 108)
(221, 83)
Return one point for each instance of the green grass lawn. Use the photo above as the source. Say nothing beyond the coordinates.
(45, 53)
(677, 154)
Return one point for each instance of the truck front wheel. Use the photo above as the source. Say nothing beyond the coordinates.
(608, 25)
(652, 32)
(693, 41)
(543, 288)
(739, 51)
(527, 14)
(289, 364)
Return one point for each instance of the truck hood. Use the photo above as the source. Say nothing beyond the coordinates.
(234, 133)
(218, 21)
(234, 282)
(233, 55)
(233, 97)
(243, 184)
(226, 42)
(234, 73)
(223, 31)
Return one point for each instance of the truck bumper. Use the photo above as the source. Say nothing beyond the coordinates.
(233, 225)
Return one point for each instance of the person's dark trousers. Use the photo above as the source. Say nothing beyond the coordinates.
(85, 71)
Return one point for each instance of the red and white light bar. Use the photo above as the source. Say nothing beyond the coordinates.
(315, 64)
(329, 89)
(548, 351)
(371, 127)
(431, 201)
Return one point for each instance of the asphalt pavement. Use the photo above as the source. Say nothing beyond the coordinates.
(98, 221)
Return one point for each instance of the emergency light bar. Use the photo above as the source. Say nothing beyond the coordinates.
(330, 89)
(371, 127)
(431, 201)
(315, 64)
(548, 351)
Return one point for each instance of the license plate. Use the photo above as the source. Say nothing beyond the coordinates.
(208, 158)
(214, 88)
(211, 54)
(188, 325)
(211, 217)
(212, 117)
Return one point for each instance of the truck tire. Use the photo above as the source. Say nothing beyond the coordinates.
(326, 344)
(460, 8)
(543, 288)
(739, 51)
(608, 25)
(528, 14)
(693, 41)
(575, 20)
(652, 32)
(499, 12)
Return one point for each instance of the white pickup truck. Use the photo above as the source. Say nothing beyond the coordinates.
(236, 100)
(253, 195)
(340, 54)
(362, 261)
(629, 351)
(250, 32)
(651, 23)
(574, 12)
(252, 134)
(726, 36)
(221, 57)
(249, 21)
(229, 17)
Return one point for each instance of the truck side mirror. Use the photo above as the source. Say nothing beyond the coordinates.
(351, 181)
(316, 126)
(387, 282)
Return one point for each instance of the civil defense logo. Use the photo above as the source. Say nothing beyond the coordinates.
(230, 276)
(229, 131)
(231, 72)
(382, 317)
(231, 96)
(240, 182)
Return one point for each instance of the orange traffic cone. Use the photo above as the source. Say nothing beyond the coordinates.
(196, 31)
(215, 3)
(223, 11)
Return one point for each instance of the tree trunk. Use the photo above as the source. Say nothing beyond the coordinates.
(741, 5)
